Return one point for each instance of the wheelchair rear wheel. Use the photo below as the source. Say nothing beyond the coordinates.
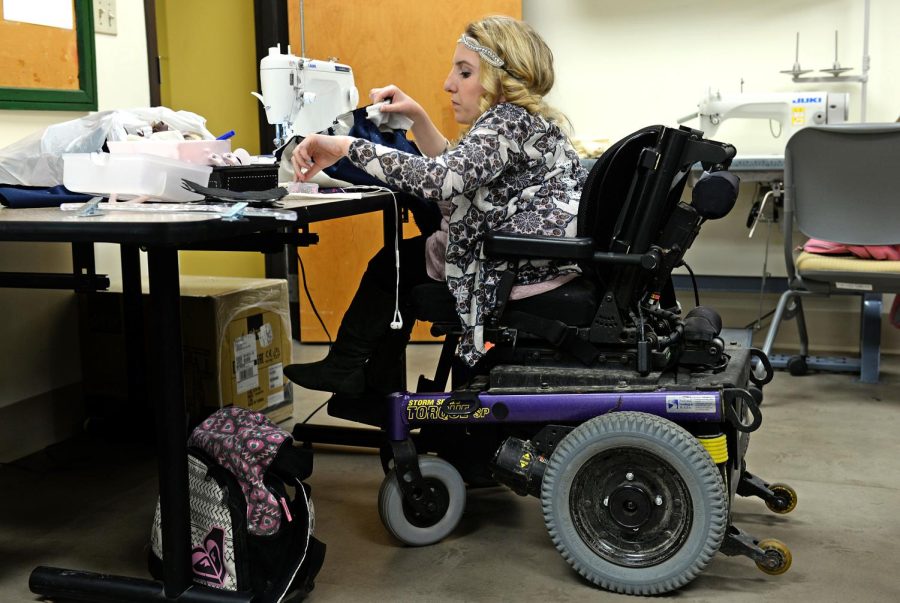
(446, 489)
(634, 503)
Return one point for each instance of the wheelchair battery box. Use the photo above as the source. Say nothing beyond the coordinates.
(241, 178)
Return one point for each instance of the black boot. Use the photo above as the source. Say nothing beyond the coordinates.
(385, 373)
(343, 370)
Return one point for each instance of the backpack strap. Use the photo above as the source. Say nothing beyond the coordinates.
(292, 464)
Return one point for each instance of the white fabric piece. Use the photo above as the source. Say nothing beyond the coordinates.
(391, 121)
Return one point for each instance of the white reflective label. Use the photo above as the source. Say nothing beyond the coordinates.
(691, 403)
(853, 286)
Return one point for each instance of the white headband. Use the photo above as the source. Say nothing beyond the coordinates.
(486, 53)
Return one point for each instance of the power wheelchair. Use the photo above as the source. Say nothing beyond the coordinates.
(627, 420)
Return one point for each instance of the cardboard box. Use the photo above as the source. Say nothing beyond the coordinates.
(236, 340)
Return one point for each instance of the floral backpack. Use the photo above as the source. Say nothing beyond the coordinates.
(247, 532)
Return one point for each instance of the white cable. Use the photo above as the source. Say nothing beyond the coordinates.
(397, 321)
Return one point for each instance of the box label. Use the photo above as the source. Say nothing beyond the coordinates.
(245, 370)
(276, 398)
(275, 376)
(265, 335)
(691, 403)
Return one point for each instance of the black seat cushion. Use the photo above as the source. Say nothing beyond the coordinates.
(573, 303)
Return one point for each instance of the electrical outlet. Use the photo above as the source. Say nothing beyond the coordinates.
(105, 16)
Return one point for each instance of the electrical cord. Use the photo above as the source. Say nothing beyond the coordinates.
(312, 304)
(312, 414)
(397, 320)
(693, 282)
(641, 322)
(758, 322)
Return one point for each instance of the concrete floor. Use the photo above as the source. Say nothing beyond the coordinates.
(88, 506)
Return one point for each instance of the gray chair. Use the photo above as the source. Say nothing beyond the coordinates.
(842, 184)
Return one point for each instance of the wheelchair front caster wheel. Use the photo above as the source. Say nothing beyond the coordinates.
(777, 559)
(442, 499)
(796, 366)
(785, 499)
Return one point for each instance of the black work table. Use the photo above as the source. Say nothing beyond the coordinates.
(162, 235)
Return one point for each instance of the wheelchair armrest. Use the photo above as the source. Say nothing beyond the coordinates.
(504, 244)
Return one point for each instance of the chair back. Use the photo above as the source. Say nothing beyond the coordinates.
(840, 183)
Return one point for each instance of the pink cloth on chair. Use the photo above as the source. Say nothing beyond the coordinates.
(866, 252)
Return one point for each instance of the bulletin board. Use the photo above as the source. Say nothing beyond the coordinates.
(51, 68)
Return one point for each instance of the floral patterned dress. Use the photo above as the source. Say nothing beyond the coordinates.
(512, 172)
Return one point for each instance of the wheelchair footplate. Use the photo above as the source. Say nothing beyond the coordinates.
(636, 475)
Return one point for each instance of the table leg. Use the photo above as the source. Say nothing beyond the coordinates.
(870, 337)
(133, 314)
(171, 422)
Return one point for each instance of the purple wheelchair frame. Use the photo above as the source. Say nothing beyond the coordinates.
(408, 411)
(733, 408)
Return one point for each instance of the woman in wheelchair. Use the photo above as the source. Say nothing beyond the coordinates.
(514, 170)
(627, 420)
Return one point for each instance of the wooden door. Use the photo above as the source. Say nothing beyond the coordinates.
(409, 43)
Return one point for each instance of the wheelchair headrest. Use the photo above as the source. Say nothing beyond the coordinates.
(714, 194)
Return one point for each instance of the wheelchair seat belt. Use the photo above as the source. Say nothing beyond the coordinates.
(557, 333)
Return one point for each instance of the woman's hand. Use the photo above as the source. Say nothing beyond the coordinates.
(316, 152)
(429, 139)
(400, 102)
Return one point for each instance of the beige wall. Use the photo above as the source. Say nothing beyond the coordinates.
(624, 65)
(38, 332)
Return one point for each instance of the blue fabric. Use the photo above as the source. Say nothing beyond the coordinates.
(21, 197)
(365, 129)
(426, 214)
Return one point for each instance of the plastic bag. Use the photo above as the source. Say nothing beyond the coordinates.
(36, 160)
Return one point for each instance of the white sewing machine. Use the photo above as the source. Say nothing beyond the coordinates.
(302, 96)
(793, 110)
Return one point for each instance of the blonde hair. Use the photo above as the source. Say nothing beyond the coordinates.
(527, 74)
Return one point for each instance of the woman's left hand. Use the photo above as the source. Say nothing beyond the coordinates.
(316, 152)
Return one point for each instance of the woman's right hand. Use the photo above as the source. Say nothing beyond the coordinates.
(400, 102)
(429, 139)
(317, 152)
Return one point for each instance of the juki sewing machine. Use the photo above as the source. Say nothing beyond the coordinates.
(302, 96)
(792, 110)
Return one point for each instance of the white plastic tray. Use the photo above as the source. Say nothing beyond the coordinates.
(130, 175)
(194, 151)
